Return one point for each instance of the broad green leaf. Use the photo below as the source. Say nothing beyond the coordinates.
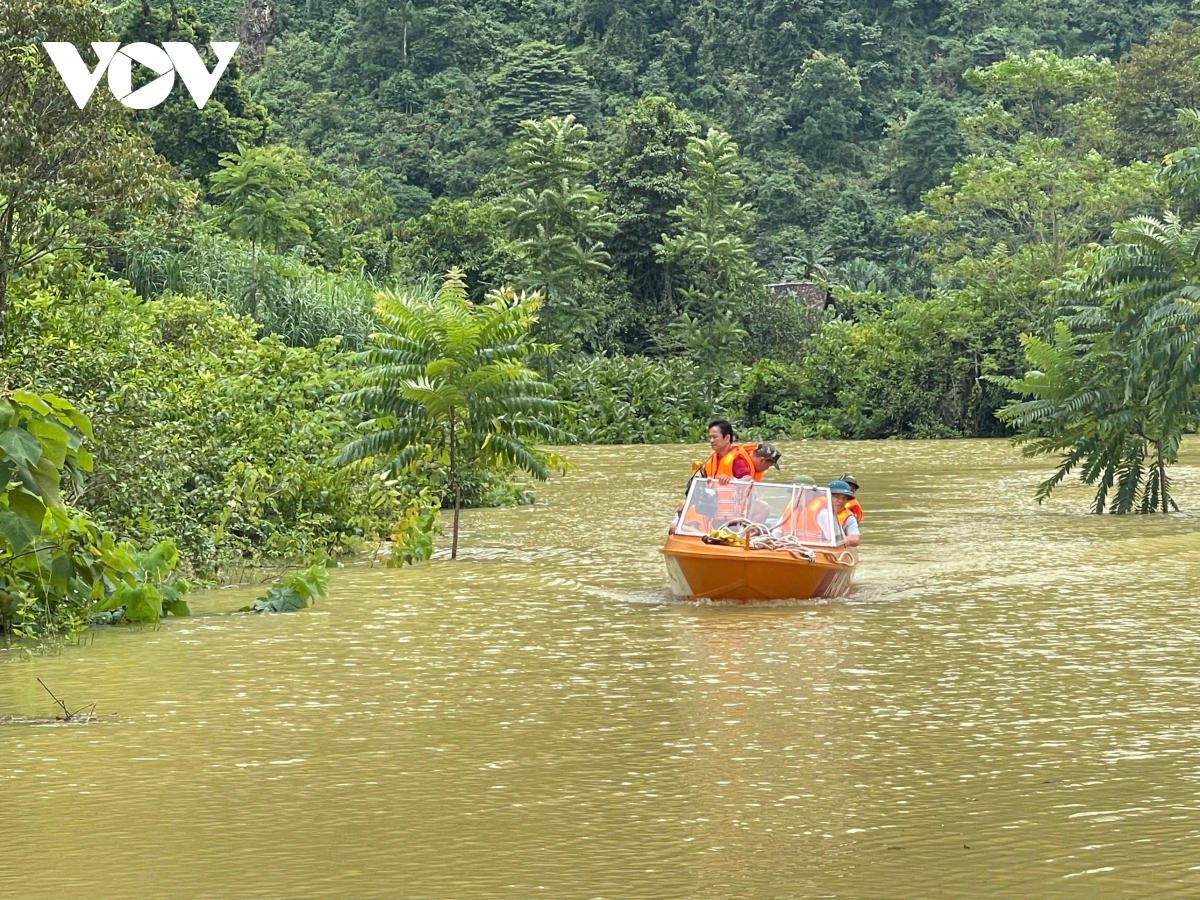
(21, 446)
(33, 401)
(27, 505)
(18, 530)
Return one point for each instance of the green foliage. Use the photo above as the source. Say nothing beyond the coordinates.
(1153, 81)
(925, 146)
(193, 139)
(827, 106)
(911, 370)
(205, 433)
(555, 222)
(261, 201)
(62, 168)
(453, 375)
(710, 259)
(293, 299)
(56, 566)
(1120, 385)
(634, 400)
(413, 533)
(643, 177)
(299, 590)
(538, 79)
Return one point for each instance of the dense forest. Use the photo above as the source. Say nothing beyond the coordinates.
(968, 195)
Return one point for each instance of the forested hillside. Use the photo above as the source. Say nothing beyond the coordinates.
(190, 288)
(844, 111)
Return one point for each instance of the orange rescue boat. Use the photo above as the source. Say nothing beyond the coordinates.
(748, 541)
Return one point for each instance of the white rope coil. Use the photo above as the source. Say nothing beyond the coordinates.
(760, 538)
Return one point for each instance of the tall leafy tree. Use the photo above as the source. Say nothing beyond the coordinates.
(827, 109)
(193, 139)
(556, 221)
(925, 145)
(261, 201)
(62, 168)
(454, 374)
(710, 259)
(643, 180)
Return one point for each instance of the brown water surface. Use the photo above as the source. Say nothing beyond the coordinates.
(1007, 706)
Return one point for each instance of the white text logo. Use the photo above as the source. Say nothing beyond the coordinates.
(165, 61)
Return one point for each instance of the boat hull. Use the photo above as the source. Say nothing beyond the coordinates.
(718, 572)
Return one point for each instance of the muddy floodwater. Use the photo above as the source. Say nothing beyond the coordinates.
(1007, 705)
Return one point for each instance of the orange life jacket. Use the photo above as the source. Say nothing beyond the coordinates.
(729, 497)
(856, 508)
(803, 521)
(715, 468)
(846, 513)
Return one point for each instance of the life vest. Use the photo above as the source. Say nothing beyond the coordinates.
(715, 468)
(804, 521)
(856, 508)
(730, 497)
(694, 521)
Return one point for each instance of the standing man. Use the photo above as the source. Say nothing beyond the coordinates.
(728, 460)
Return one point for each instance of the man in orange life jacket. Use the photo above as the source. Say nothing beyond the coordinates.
(842, 494)
(728, 460)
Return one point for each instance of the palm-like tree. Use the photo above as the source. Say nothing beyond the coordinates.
(1121, 384)
(454, 374)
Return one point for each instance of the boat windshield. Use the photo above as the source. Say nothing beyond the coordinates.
(789, 510)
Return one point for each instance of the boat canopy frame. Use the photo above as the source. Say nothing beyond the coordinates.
(800, 511)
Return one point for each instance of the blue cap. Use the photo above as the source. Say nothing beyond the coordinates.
(840, 487)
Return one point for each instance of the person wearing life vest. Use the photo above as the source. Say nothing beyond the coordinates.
(762, 457)
(728, 460)
(842, 494)
(802, 519)
(852, 504)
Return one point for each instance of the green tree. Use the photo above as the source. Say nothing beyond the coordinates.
(827, 109)
(455, 375)
(710, 259)
(190, 138)
(1120, 385)
(643, 180)
(556, 221)
(62, 168)
(1152, 82)
(1035, 193)
(925, 145)
(261, 201)
(538, 79)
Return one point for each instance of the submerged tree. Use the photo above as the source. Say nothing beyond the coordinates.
(1116, 391)
(453, 374)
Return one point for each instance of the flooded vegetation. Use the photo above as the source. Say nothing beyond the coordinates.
(1003, 704)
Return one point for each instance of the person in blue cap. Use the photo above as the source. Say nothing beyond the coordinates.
(842, 494)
